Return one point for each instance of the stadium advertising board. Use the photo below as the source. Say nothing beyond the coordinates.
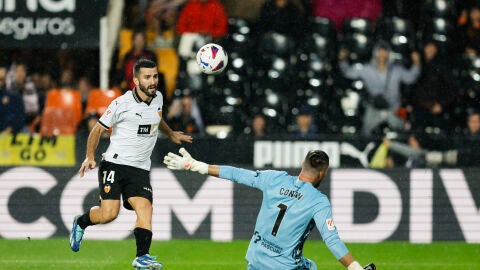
(33, 150)
(421, 205)
(289, 154)
(50, 23)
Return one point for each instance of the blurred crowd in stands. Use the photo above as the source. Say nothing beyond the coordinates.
(400, 71)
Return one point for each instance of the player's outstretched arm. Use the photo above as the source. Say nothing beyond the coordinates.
(92, 143)
(176, 136)
(184, 161)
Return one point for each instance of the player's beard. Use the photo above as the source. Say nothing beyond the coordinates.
(146, 90)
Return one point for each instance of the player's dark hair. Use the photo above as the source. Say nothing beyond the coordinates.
(142, 63)
(317, 159)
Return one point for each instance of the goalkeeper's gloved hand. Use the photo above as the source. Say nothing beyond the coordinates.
(356, 266)
(184, 162)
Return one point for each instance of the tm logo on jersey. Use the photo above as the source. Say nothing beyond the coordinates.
(145, 130)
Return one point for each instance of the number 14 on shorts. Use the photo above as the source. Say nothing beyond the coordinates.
(108, 176)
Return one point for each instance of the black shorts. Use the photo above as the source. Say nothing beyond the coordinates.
(115, 180)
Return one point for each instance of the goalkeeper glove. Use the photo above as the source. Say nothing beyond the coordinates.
(356, 266)
(185, 162)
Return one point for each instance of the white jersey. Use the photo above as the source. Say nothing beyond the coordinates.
(135, 129)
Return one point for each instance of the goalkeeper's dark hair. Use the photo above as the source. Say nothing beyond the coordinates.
(317, 159)
(142, 63)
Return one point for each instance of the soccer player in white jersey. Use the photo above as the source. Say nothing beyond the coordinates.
(124, 171)
(291, 207)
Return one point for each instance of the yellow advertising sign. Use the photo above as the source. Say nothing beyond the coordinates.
(35, 150)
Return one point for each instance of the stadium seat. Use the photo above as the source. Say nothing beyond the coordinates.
(276, 44)
(168, 64)
(125, 42)
(360, 47)
(437, 8)
(238, 83)
(99, 99)
(314, 66)
(239, 44)
(350, 118)
(439, 30)
(272, 97)
(275, 54)
(400, 34)
(239, 38)
(66, 99)
(237, 64)
(358, 38)
(224, 111)
(191, 83)
(58, 121)
(469, 77)
(150, 35)
(322, 46)
(312, 93)
(279, 67)
(389, 27)
(358, 26)
(238, 26)
(323, 27)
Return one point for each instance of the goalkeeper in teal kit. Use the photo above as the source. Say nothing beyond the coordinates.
(291, 207)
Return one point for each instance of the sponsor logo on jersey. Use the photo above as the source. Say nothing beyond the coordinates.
(330, 224)
(147, 189)
(260, 240)
(144, 129)
(147, 130)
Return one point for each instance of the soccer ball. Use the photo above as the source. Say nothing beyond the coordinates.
(212, 59)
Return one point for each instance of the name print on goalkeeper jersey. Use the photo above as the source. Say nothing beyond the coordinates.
(135, 129)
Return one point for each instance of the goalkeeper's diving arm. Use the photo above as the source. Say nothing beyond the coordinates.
(186, 162)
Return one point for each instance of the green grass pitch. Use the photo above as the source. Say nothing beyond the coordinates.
(205, 254)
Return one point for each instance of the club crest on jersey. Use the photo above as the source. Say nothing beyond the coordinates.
(107, 188)
(330, 224)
